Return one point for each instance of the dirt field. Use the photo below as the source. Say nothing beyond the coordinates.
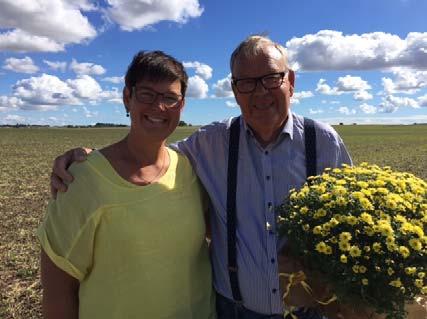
(26, 156)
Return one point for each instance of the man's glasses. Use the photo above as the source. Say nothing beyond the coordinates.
(148, 96)
(269, 82)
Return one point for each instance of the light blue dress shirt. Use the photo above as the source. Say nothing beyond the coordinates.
(264, 178)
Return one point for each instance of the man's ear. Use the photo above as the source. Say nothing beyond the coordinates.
(291, 79)
(126, 98)
(235, 92)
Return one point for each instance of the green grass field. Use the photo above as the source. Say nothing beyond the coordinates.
(26, 156)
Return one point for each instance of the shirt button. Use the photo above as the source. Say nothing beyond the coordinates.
(270, 205)
(274, 290)
(273, 260)
(268, 226)
(266, 152)
(268, 177)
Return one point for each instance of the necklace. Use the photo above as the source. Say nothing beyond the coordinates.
(161, 170)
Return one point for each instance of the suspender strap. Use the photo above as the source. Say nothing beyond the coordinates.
(233, 152)
(310, 147)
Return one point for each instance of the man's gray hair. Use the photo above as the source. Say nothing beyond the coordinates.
(254, 45)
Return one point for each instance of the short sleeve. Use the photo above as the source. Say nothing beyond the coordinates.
(68, 230)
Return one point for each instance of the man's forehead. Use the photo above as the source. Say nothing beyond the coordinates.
(269, 60)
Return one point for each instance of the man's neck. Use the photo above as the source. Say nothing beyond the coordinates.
(266, 137)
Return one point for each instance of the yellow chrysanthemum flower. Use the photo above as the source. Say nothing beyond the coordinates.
(419, 283)
(396, 283)
(415, 244)
(355, 251)
(404, 251)
(410, 270)
(345, 236)
(344, 246)
(317, 230)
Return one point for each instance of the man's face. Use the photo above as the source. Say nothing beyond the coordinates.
(264, 110)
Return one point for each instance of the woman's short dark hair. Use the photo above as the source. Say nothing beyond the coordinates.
(155, 66)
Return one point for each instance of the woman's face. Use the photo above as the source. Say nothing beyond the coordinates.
(154, 107)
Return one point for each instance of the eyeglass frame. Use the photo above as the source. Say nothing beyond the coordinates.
(234, 81)
(156, 95)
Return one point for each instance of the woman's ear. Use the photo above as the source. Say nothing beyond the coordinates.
(126, 98)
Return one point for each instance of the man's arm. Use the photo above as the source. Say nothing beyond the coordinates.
(59, 175)
(60, 291)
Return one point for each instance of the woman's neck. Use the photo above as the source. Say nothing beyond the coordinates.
(143, 153)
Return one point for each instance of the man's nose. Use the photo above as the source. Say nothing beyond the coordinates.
(259, 88)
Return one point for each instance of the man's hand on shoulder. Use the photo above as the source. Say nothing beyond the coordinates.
(59, 175)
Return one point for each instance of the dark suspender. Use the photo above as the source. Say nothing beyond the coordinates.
(233, 152)
(310, 147)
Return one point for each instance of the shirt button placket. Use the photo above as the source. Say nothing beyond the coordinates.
(270, 228)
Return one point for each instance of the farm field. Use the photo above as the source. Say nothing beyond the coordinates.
(26, 156)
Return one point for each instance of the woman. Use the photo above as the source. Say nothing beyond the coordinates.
(128, 238)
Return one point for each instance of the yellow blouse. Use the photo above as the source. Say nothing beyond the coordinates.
(138, 251)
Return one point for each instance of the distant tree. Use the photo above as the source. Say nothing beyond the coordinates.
(341, 123)
(182, 123)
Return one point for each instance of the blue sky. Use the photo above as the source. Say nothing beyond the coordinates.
(62, 61)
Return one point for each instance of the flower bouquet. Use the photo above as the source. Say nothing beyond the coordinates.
(357, 243)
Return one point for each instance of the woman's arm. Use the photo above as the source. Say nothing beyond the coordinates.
(60, 291)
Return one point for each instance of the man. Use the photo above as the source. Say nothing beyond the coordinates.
(269, 148)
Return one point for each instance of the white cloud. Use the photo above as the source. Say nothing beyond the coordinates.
(315, 111)
(377, 119)
(21, 41)
(8, 103)
(301, 95)
(47, 92)
(405, 81)
(368, 109)
(345, 110)
(422, 100)
(197, 87)
(332, 50)
(43, 25)
(86, 68)
(85, 87)
(13, 119)
(114, 79)
(24, 65)
(362, 96)
(113, 96)
(88, 113)
(204, 70)
(231, 104)
(131, 15)
(392, 103)
(344, 85)
(56, 65)
(324, 88)
(223, 87)
(44, 92)
(352, 83)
